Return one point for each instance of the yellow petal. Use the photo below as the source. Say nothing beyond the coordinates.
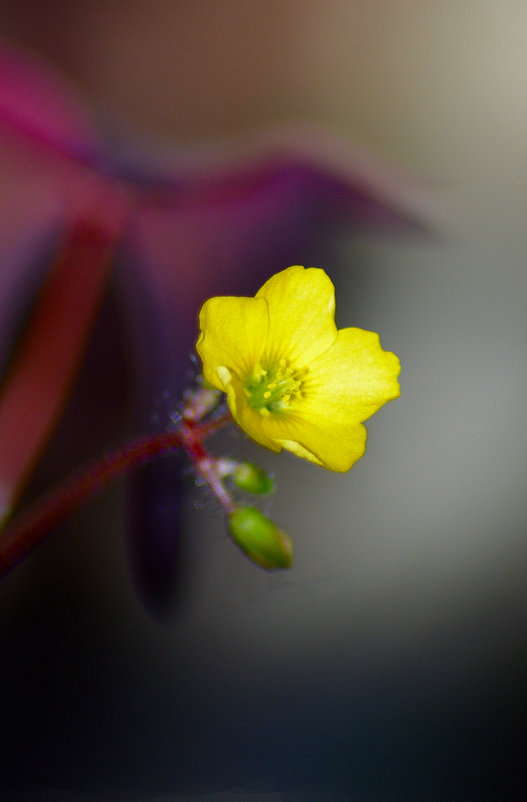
(250, 420)
(344, 377)
(350, 381)
(301, 314)
(233, 334)
(334, 446)
(345, 385)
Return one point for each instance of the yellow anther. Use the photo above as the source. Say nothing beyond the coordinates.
(272, 389)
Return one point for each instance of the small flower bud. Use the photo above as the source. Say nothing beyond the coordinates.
(250, 477)
(260, 539)
(200, 401)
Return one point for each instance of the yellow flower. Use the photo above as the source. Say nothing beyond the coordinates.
(292, 379)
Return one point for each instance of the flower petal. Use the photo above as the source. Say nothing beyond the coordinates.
(347, 384)
(259, 428)
(352, 380)
(233, 334)
(301, 306)
(334, 446)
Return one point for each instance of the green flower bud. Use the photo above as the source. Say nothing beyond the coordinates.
(250, 477)
(260, 539)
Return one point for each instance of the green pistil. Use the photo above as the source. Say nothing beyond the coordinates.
(272, 389)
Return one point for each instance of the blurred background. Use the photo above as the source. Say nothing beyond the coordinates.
(389, 664)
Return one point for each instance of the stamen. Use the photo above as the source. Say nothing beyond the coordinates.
(274, 388)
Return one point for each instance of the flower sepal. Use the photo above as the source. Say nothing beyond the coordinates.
(261, 540)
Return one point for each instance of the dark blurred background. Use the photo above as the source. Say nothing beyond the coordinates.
(390, 663)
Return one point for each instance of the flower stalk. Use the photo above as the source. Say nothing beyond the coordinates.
(34, 526)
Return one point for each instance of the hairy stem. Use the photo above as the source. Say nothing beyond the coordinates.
(40, 520)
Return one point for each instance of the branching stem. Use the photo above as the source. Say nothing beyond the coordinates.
(26, 533)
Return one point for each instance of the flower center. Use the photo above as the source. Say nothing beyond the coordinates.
(273, 388)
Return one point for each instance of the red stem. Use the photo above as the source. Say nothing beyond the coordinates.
(21, 538)
(34, 526)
